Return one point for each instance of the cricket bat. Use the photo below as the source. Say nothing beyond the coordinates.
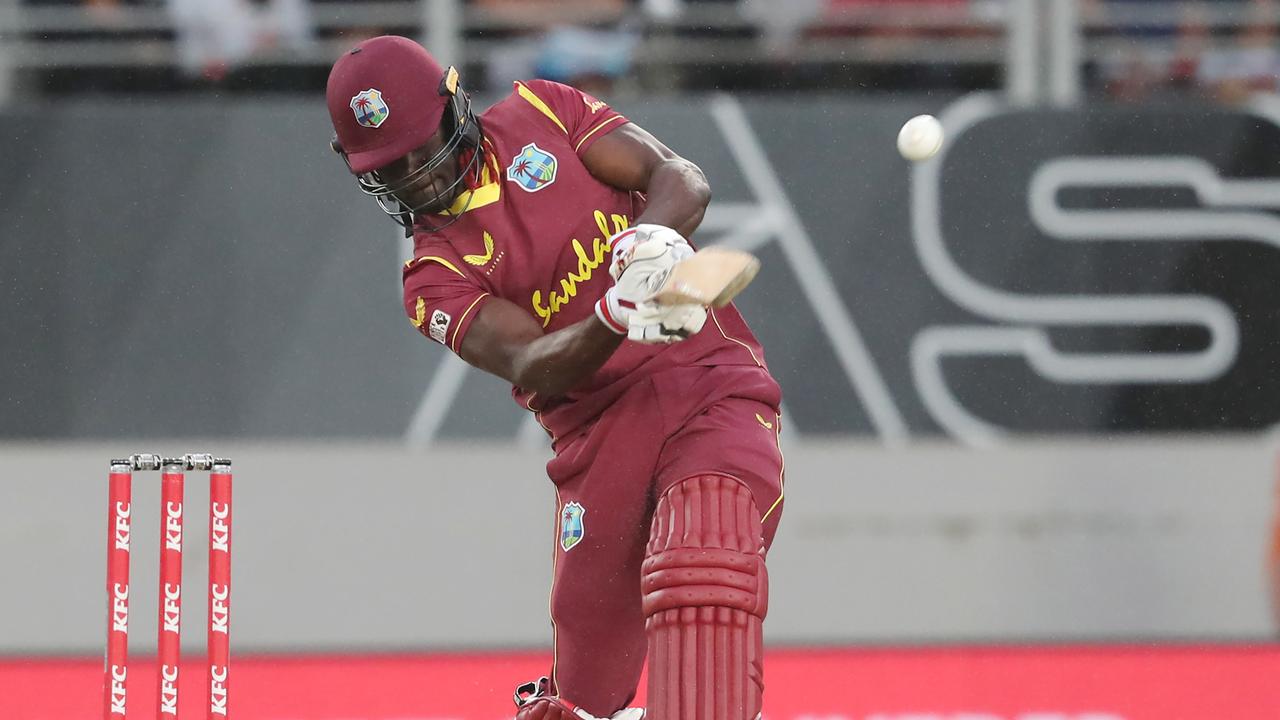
(711, 277)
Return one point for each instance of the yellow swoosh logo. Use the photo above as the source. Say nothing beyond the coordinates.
(764, 422)
(488, 252)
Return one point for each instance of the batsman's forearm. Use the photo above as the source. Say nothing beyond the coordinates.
(677, 196)
(556, 362)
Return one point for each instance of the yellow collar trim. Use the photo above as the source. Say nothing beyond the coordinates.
(490, 189)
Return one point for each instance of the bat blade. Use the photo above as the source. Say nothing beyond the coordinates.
(711, 277)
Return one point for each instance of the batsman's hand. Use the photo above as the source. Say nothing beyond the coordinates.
(624, 245)
(647, 266)
(652, 323)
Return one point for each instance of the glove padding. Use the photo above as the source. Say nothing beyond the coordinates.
(652, 323)
(623, 245)
(647, 265)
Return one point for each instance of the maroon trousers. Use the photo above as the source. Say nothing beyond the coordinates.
(674, 425)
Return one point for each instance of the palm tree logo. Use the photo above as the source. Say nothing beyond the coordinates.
(533, 169)
(369, 108)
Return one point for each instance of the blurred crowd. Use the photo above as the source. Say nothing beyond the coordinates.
(590, 43)
(1136, 49)
(212, 37)
(1223, 49)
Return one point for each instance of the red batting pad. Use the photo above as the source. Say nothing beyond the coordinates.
(705, 597)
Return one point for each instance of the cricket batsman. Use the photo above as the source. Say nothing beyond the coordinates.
(540, 228)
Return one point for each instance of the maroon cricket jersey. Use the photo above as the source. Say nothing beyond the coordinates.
(535, 233)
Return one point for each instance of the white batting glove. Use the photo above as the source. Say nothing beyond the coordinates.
(624, 243)
(647, 265)
(651, 323)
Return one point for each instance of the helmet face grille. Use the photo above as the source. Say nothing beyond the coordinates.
(463, 129)
(433, 214)
(386, 99)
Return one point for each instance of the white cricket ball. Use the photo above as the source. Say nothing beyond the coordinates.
(920, 138)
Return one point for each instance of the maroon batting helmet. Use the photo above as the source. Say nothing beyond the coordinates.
(387, 96)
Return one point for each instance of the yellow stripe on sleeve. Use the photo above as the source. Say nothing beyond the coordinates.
(536, 101)
(593, 130)
(453, 341)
